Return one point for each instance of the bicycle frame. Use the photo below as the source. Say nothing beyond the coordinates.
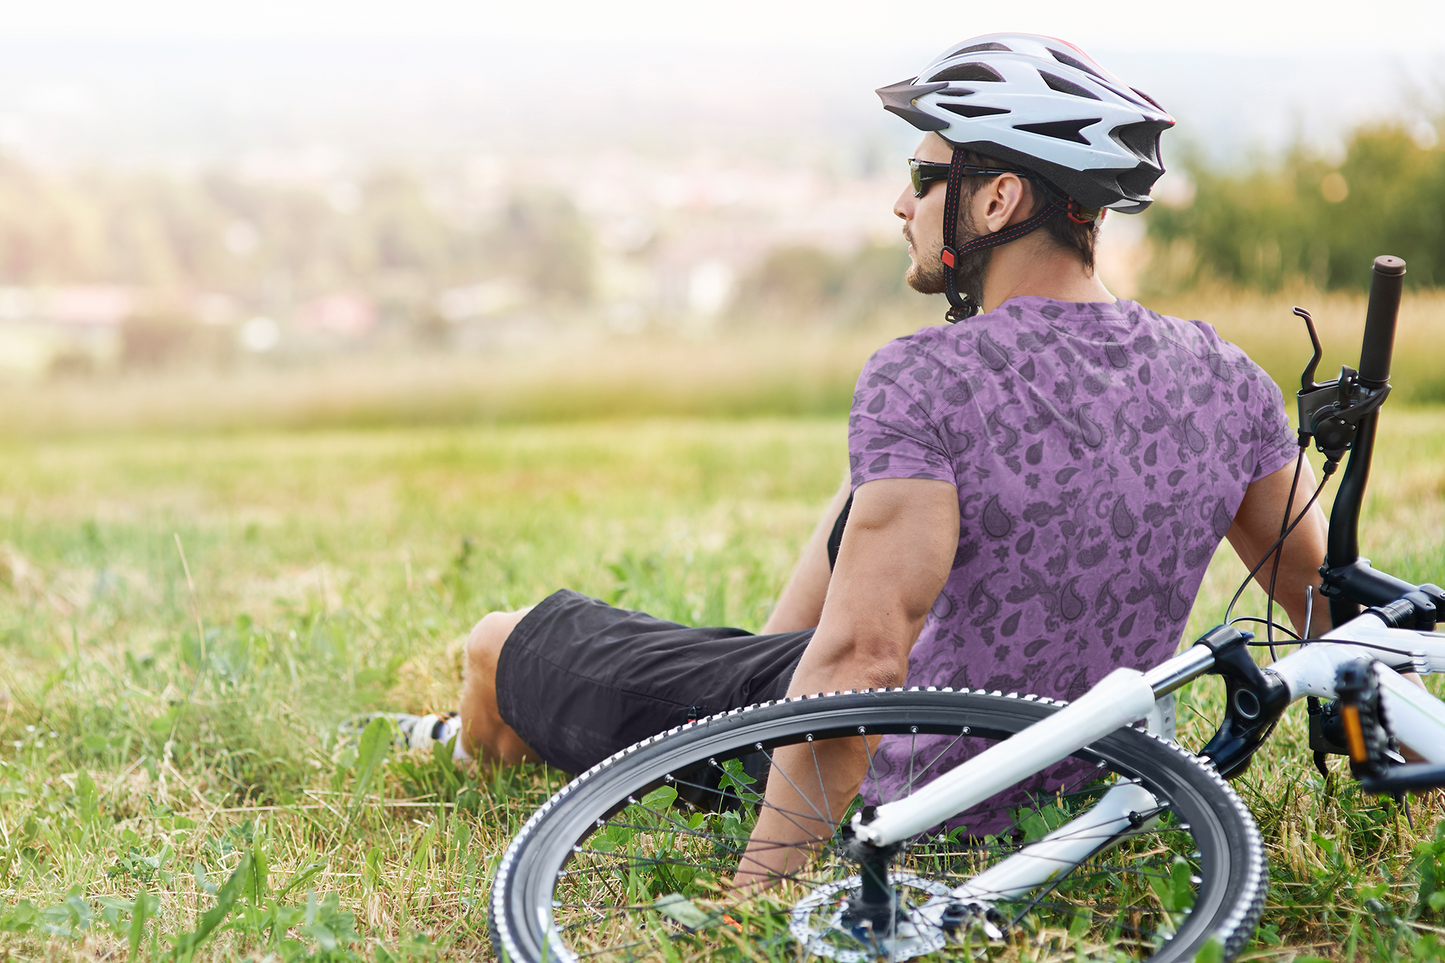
(1124, 697)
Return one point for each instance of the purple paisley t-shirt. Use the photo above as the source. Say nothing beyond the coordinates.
(1100, 452)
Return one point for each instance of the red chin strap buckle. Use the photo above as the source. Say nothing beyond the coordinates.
(948, 256)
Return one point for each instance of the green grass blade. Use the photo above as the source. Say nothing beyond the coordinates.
(225, 901)
(370, 754)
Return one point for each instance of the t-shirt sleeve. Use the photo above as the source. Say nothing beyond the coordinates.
(891, 428)
(1257, 412)
(1273, 441)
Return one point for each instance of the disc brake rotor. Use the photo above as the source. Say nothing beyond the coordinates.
(818, 926)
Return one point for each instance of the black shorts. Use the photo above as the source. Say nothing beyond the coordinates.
(579, 680)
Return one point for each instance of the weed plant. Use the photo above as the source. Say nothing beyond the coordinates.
(186, 618)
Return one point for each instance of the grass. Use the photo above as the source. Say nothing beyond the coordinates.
(186, 615)
(803, 369)
(154, 735)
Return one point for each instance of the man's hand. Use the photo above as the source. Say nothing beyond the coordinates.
(896, 555)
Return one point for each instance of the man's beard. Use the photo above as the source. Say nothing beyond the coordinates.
(926, 275)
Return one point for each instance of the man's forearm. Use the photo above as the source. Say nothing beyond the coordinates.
(895, 556)
(1256, 529)
(809, 789)
(813, 783)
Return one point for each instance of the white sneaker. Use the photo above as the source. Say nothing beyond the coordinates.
(409, 731)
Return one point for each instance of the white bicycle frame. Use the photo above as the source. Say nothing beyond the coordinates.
(1126, 696)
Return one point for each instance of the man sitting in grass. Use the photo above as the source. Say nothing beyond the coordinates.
(1035, 490)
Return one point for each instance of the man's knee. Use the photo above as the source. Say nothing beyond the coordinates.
(484, 645)
(485, 735)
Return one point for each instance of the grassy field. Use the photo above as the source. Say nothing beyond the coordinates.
(185, 619)
(156, 725)
(806, 369)
(186, 614)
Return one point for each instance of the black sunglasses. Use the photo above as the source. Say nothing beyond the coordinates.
(924, 173)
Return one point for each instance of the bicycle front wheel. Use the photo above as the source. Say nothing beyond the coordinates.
(632, 859)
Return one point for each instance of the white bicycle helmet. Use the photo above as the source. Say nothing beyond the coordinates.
(1044, 105)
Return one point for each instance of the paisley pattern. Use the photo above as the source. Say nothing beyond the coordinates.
(1100, 452)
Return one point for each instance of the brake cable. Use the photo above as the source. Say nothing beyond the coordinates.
(1329, 470)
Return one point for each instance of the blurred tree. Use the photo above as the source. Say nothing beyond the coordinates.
(1307, 219)
(873, 279)
(152, 341)
(796, 280)
(158, 339)
(217, 232)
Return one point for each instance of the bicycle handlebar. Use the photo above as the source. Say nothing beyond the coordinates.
(1343, 551)
(1380, 317)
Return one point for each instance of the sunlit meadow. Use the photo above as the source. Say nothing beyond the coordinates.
(194, 591)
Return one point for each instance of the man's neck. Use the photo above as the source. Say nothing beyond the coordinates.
(1034, 266)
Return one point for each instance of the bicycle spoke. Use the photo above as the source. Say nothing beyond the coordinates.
(822, 783)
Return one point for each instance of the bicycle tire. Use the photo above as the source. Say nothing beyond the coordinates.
(1209, 832)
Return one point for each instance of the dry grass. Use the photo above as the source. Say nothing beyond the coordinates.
(804, 369)
(1264, 326)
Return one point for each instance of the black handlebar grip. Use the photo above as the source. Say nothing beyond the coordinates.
(1380, 317)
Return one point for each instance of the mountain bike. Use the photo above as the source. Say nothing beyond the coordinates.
(1071, 832)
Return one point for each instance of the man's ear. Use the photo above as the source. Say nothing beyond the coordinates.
(1006, 196)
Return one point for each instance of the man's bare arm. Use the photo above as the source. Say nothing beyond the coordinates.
(895, 558)
(1256, 527)
(801, 604)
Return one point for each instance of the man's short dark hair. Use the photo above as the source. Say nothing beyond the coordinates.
(1066, 233)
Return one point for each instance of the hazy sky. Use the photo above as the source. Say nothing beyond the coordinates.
(199, 81)
(1220, 26)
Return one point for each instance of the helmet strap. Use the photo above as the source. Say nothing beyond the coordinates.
(961, 306)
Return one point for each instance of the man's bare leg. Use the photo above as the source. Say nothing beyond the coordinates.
(484, 735)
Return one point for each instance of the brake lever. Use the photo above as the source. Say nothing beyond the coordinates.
(1330, 412)
(1307, 380)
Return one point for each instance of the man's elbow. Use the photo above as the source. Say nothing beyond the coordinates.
(867, 664)
(882, 674)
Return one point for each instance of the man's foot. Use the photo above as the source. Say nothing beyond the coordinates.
(409, 731)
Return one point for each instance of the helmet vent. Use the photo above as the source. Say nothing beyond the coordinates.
(977, 73)
(972, 110)
(1074, 62)
(1061, 129)
(1067, 86)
